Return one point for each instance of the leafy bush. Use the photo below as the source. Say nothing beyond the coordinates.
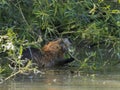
(91, 24)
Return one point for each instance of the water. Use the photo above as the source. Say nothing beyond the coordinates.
(66, 80)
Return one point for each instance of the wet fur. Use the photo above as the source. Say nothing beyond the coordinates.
(51, 55)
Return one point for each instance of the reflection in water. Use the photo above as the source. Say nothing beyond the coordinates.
(65, 81)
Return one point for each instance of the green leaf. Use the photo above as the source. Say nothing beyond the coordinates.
(21, 50)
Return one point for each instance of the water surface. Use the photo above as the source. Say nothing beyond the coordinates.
(65, 80)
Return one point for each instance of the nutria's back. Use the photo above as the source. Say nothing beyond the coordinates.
(33, 54)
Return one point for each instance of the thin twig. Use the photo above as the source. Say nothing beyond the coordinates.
(22, 14)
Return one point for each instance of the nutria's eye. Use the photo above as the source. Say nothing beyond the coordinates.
(57, 47)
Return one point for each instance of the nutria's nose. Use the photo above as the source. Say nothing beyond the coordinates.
(65, 44)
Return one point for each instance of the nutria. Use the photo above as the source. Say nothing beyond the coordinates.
(51, 55)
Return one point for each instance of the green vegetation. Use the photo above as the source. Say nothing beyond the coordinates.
(92, 25)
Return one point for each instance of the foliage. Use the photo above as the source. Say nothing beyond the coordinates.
(91, 24)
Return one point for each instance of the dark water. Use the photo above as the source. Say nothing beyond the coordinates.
(66, 80)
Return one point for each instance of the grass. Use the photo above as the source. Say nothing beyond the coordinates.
(93, 25)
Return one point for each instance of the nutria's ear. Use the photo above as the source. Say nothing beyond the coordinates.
(59, 40)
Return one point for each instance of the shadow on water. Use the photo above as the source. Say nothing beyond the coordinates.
(65, 80)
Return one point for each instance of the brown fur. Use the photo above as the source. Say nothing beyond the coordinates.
(50, 55)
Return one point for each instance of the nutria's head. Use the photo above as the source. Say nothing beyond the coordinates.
(57, 46)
